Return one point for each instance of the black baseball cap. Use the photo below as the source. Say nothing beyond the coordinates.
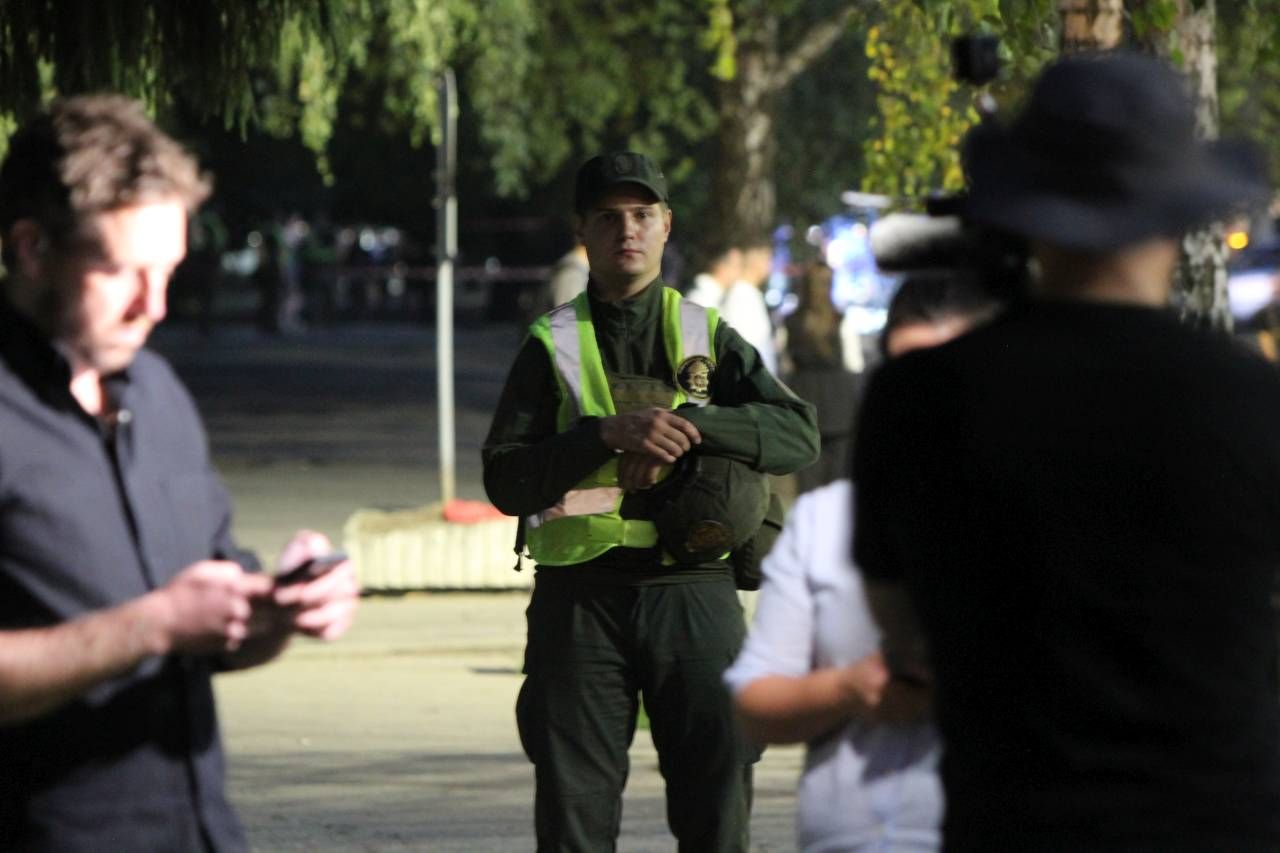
(604, 171)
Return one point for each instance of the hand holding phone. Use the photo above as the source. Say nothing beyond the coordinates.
(309, 570)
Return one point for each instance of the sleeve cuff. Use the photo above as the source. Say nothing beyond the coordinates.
(586, 438)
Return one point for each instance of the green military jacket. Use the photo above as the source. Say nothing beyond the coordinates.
(529, 465)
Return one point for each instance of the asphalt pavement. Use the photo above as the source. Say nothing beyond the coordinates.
(402, 735)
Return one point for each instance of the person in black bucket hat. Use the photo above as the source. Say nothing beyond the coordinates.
(1067, 519)
(1105, 155)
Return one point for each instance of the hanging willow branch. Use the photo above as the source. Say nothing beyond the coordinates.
(219, 56)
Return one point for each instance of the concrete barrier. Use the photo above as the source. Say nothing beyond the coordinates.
(416, 549)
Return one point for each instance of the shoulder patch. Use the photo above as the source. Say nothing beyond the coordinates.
(694, 376)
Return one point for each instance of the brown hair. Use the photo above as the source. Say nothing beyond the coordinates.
(930, 296)
(89, 154)
(816, 315)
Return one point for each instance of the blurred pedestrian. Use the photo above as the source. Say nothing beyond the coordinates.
(744, 307)
(202, 270)
(121, 588)
(811, 669)
(318, 262)
(818, 365)
(1068, 518)
(568, 276)
(566, 279)
(270, 281)
(723, 269)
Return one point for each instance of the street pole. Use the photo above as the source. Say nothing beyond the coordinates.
(446, 250)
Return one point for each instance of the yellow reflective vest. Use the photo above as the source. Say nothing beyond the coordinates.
(585, 522)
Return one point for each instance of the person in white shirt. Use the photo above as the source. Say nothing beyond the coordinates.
(811, 668)
(744, 307)
(569, 275)
(723, 270)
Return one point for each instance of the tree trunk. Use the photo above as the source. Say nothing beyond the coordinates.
(744, 200)
(1200, 286)
(1090, 24)
(742, 183)
(1200, 283)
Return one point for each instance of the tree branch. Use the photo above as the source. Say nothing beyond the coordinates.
(816, 41)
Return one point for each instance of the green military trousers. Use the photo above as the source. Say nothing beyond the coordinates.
(593, 650)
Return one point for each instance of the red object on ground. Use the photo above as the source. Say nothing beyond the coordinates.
(459, 511)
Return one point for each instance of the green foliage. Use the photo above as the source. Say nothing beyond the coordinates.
(821, 128)
(1151, 20)
(8, 124)
(719, 39)
(1248, 45)
(1249, 75)
(278, 63)
(549, 80)
(1028, 30)
(921, 112)
(595, 75)
(404, 44)
(543, 82)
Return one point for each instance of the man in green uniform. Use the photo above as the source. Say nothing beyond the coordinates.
(587, 423)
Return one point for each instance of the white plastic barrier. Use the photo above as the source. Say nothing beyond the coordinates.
(417, 549)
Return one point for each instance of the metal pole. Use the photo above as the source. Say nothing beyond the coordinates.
(446, 251)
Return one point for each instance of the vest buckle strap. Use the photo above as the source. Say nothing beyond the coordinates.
(638, 533)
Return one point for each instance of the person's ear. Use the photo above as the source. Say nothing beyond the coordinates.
(578, 223)
(30, 248)
(667, 216)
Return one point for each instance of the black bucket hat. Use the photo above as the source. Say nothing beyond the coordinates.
(1104, 155)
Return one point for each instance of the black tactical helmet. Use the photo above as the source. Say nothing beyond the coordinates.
(707, 507)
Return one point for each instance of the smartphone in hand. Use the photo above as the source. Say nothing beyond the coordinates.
(309, 570)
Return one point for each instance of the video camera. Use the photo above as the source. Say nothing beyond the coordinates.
(940, 238)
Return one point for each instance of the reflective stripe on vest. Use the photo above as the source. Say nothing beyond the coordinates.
(585, 522)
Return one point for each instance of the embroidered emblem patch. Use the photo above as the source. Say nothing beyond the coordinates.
(709, 537)
(694, 376)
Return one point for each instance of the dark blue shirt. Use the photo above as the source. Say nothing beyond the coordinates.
(91, 517)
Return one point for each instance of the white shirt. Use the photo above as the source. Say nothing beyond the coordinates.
(744, 309)
(568, 278)
(707, 291)
(865, 787)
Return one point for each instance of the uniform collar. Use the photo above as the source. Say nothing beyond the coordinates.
(644, 307)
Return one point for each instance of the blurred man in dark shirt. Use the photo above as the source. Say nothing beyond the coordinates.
(1069, 518)
(121, 589)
